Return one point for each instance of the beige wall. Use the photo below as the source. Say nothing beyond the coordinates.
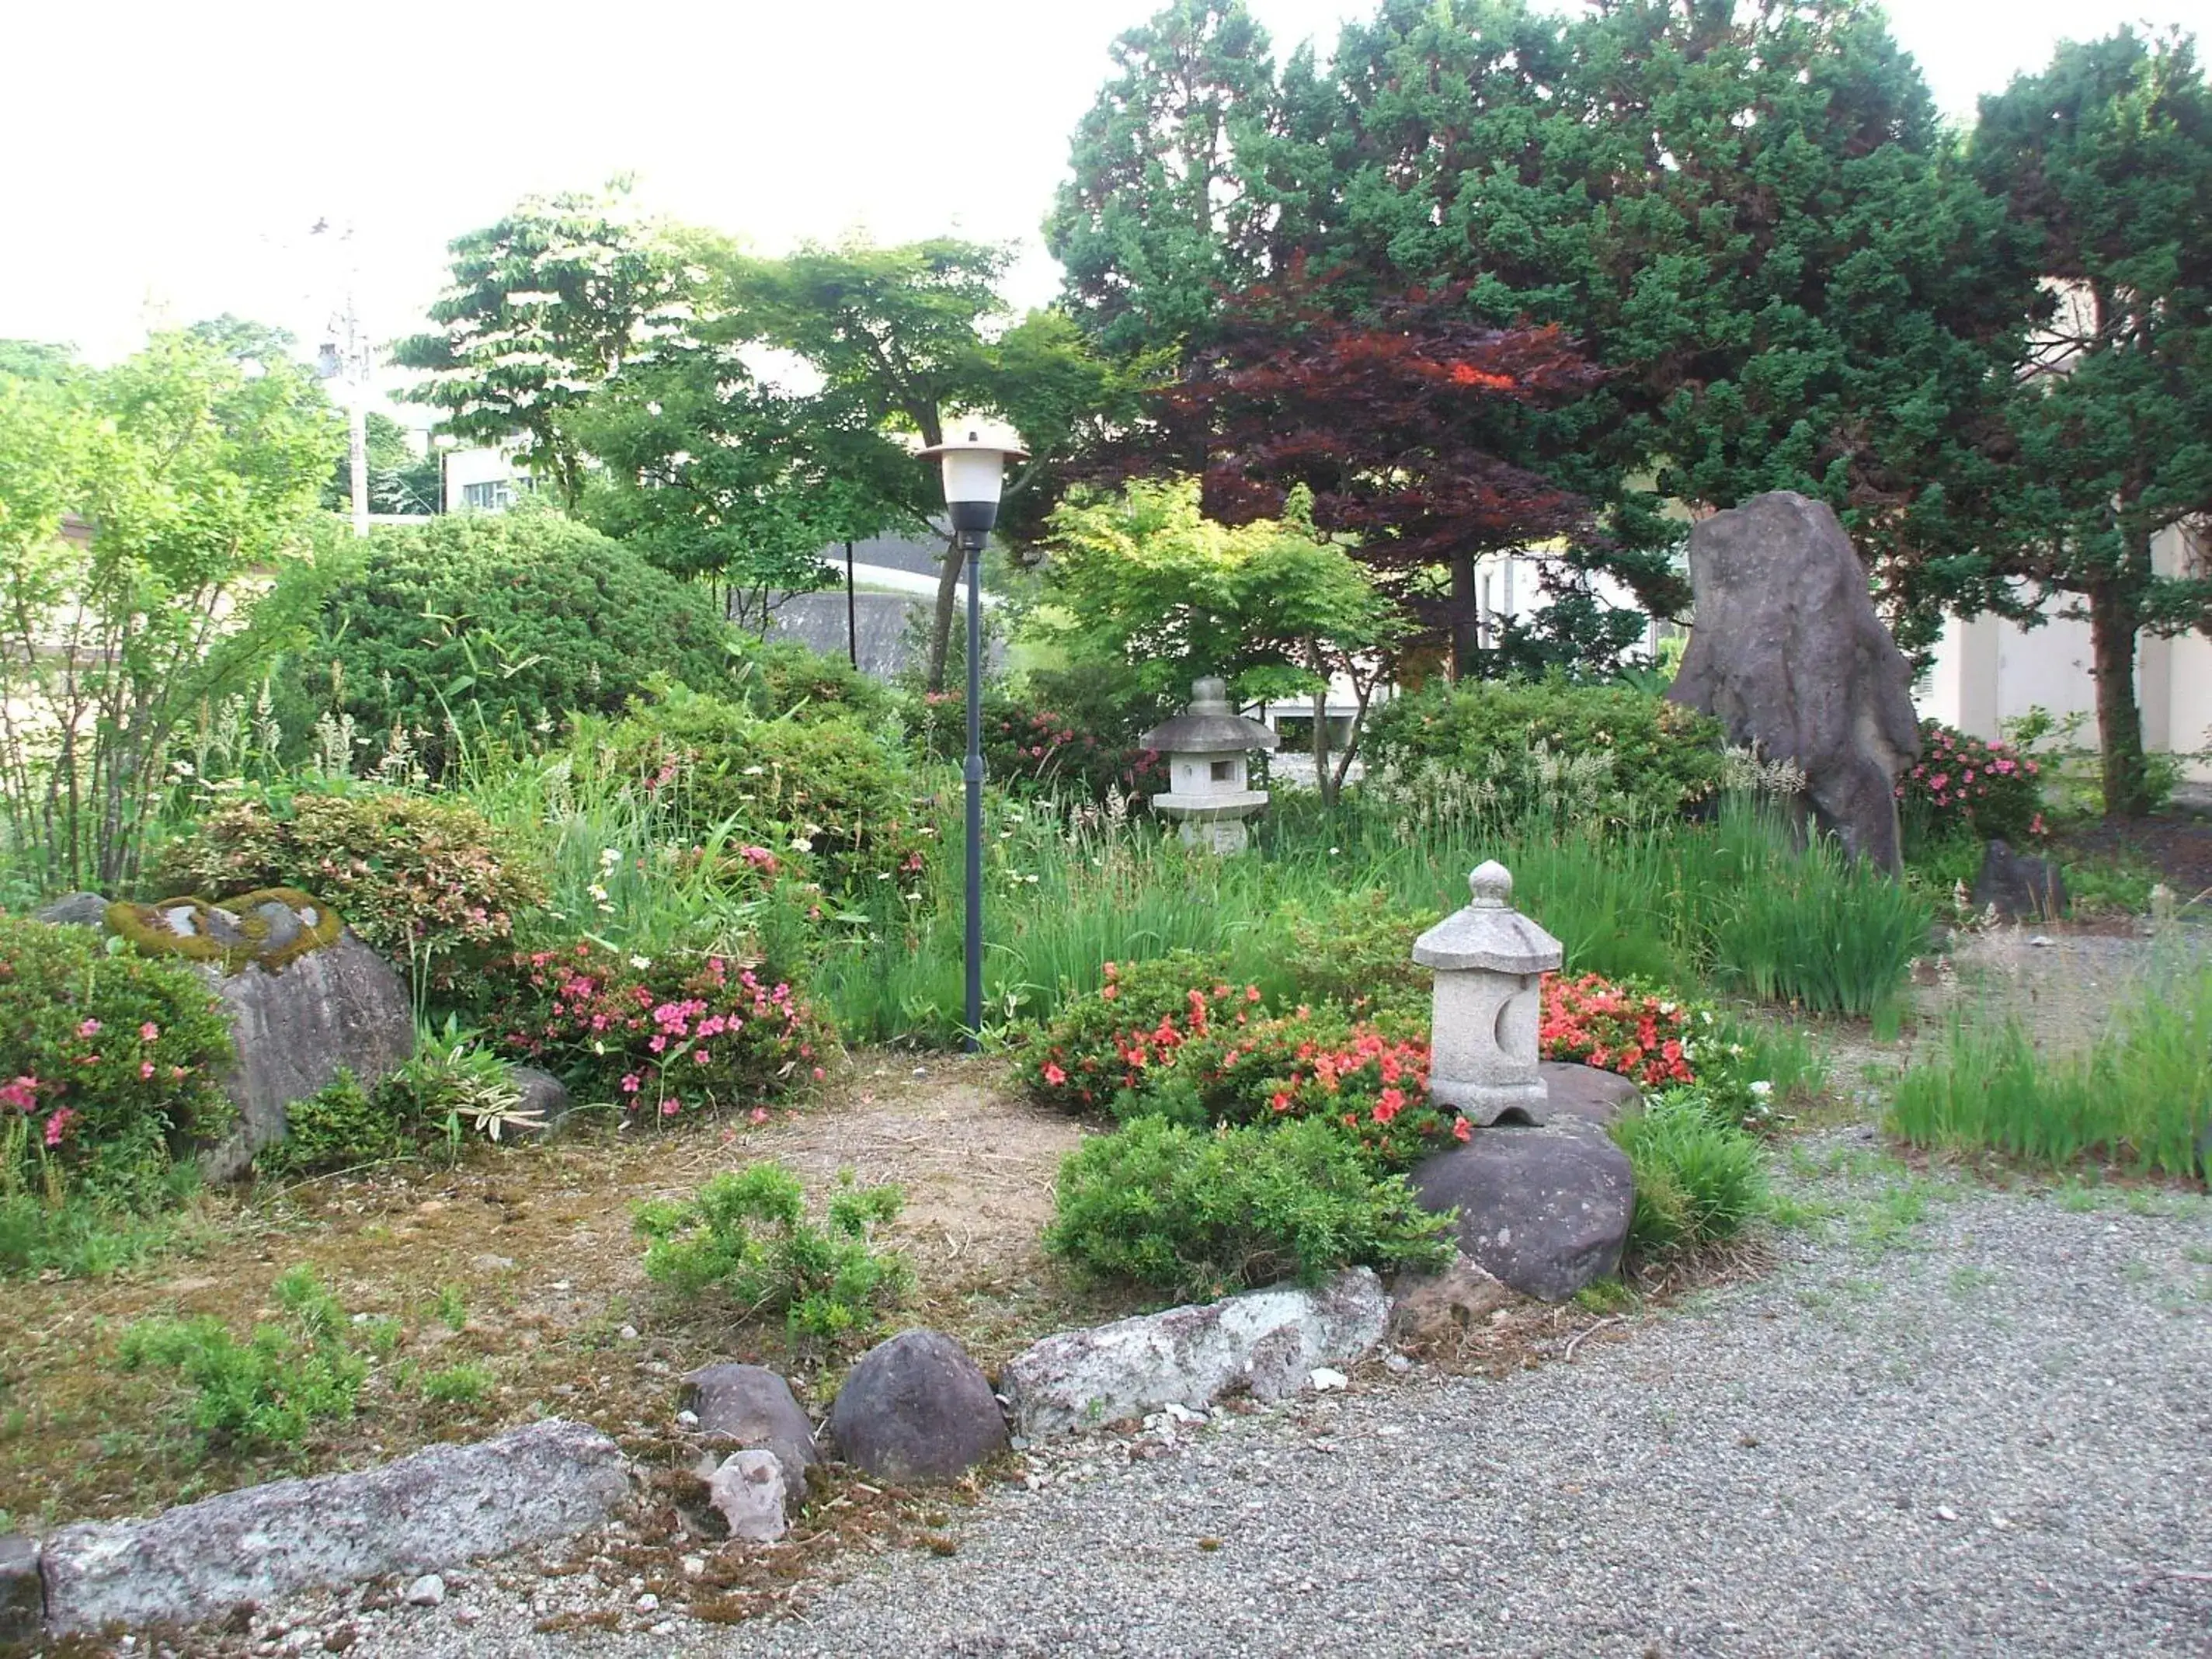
(1989, 672)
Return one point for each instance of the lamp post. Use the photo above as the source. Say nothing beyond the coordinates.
(975, 470)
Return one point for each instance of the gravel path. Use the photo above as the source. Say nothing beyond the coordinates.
(1958, 1422)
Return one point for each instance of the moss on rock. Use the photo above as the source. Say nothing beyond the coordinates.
(268, 929)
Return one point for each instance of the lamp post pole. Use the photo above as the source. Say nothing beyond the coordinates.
(972, 771)
(974, 474)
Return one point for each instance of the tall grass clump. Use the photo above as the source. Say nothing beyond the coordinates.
(2139, 1096)
(1699, 1179)
(1807, 927)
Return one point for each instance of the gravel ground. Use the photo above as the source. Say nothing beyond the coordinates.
(1955, 1422)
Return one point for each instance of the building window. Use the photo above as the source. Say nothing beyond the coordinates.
(496, 496)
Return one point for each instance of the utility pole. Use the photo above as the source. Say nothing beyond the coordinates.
(347, 357)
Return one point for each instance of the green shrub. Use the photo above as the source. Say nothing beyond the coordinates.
(1554, 748)
(1699, 1178)
(1356, 950)
(747, 1233)
(512, 623)
(269, 1391)
(415, 877)
(79, 1237)
(340, 1127)
(1197, 1213)
(111, 1065)
(827, 790)
(654, 1039)
(2140, 1097)
(452, 1087)
(775, 677)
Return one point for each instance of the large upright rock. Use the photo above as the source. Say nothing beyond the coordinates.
(1788, 653)
(304, 998)
(439, 1507)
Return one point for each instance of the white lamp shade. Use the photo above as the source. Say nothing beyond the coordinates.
(973, 475)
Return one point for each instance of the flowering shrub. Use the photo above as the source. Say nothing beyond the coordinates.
(1358, 952)
(412, 876)
(1027, 745)
(1963, 783)
(1099, 1045)
(1166, 1038)
(110, 1065)
(656, 1041)
(1592, 1020)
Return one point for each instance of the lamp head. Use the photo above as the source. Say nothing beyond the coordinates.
(974, 473)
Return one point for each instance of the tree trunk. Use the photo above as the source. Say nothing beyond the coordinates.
(940, 625)
(1466, 619)
(2112, 626)
(1324, 779)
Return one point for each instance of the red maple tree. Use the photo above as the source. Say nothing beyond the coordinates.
(1404, 422)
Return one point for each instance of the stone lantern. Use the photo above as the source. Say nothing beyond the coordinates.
(1207, 748)
(1490, 962)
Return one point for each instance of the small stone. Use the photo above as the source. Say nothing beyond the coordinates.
(628, 1333)
(687, 1419)
(665, 1627)
(648, 1603)
(428, 1591)
(752, 1408)
(748, 1490)
(340, 1639)
(695, 1566)
(1433, 1311)
(465, 1616)
(1325, 1380)
(1945, 1512)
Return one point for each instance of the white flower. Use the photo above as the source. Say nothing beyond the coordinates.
(1333, 852)
(754, 771)
(883, 875)
(597, 892)
(801, 844)
(1762, 1090)
(610, 856)
(640, 962)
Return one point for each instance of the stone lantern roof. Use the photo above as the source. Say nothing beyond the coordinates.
(1489, 934)
(1208, 726)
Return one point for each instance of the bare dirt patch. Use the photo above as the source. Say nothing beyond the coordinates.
(522, 1261)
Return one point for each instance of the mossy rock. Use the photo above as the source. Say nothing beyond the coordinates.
(268, 929)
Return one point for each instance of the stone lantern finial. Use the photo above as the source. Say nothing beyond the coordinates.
(1489, 963)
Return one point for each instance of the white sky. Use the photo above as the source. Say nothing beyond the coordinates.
(162, 162)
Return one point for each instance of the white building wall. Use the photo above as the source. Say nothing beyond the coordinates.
(1989, 672)
(481, 480)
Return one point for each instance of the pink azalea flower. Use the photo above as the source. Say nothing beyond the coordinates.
(149, 1032)
(90, 1028)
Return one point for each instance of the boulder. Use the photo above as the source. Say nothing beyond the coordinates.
(748, 1489)
(22, 1597)
(751, 1407)
(1437, 1311)
(1545, 1210)
(1586, 1093)
(303, 996)
(917, 1408)
(1788, 653)
(75, 910)
(1267, 1341)
(438, 1508)
(2019, 885)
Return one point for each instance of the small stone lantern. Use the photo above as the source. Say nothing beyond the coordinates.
(1206, 746)
(1489, 963)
